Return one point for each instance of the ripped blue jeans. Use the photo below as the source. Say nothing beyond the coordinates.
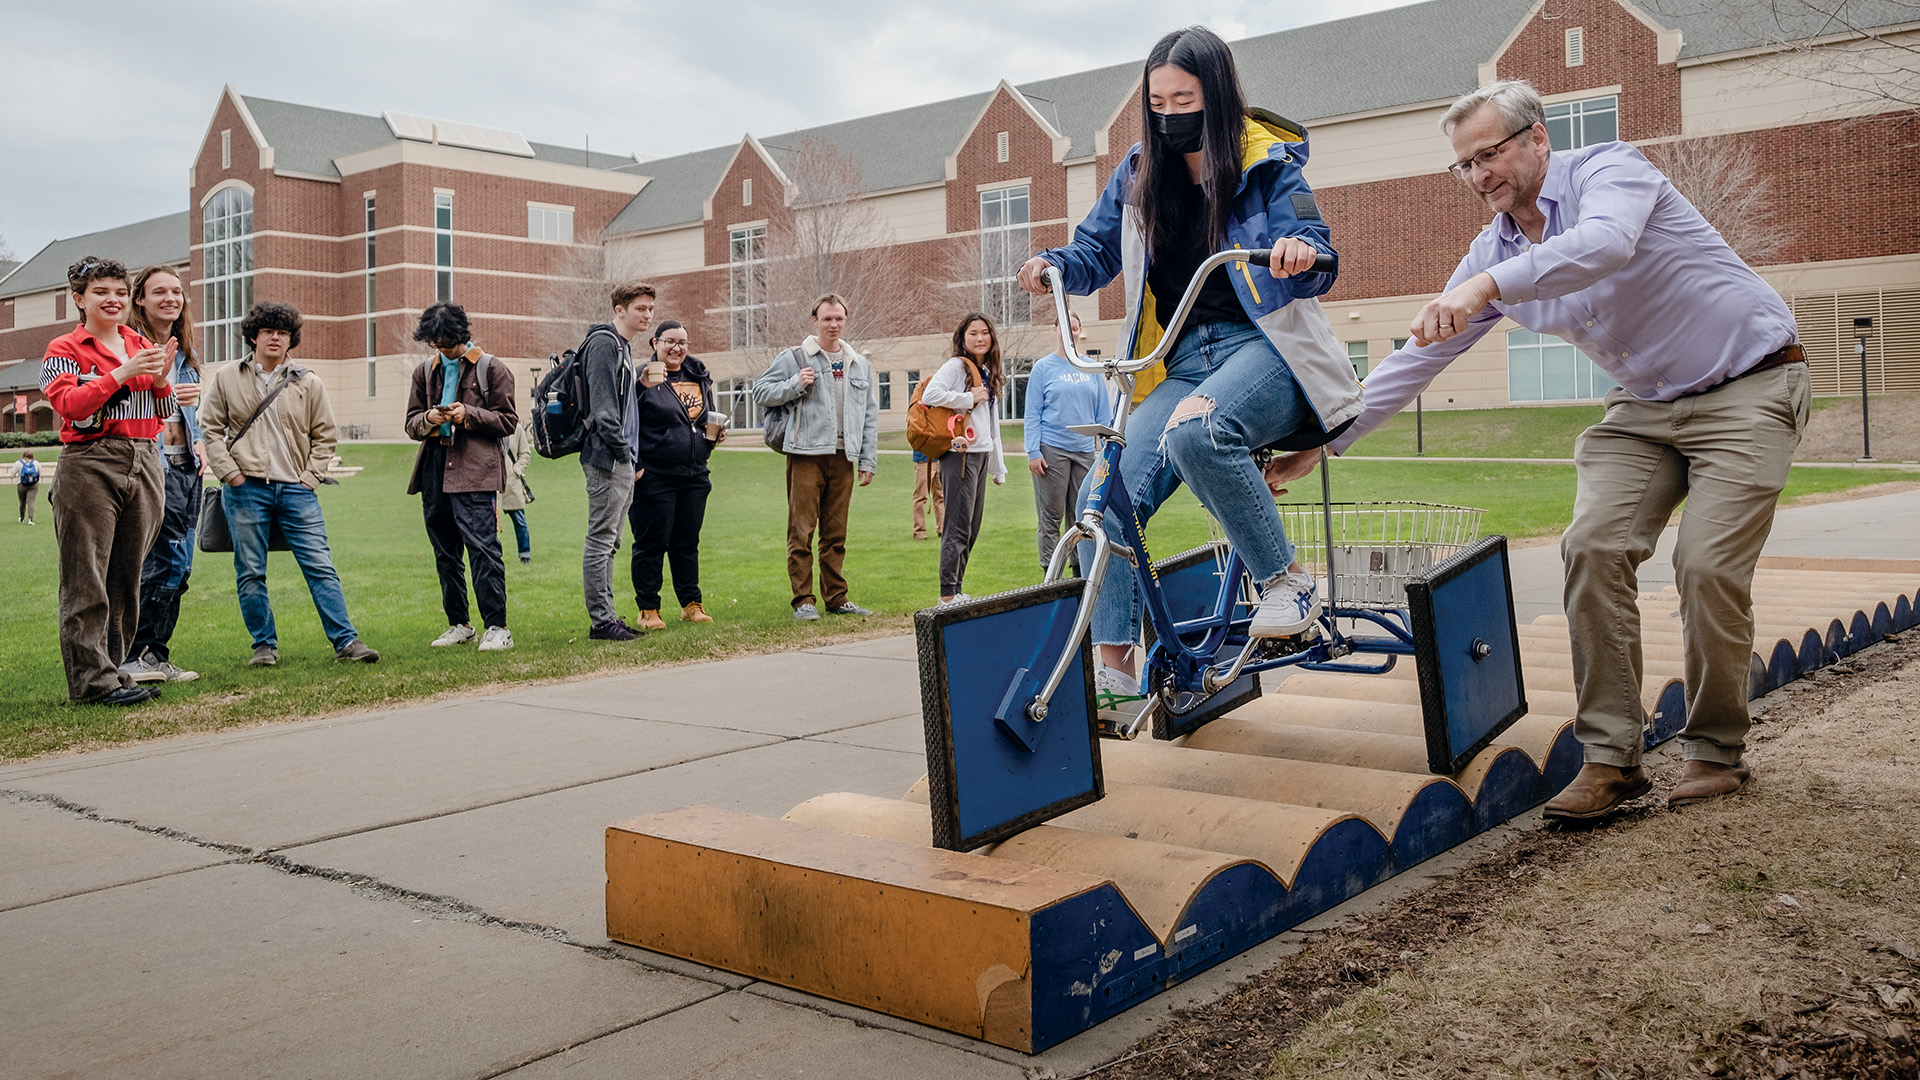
(1255, 401)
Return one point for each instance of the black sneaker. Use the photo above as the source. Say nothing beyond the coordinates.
(617, 630)
(125, 695)
(264, 656)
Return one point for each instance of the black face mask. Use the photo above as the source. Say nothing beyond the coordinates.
(1181, 132)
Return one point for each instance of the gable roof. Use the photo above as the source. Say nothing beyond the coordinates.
(1388, 59)
(307, 139)
(144, 243)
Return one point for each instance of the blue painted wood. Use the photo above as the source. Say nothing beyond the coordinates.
(1438, 818)
(1784, 665)
(1669, 714)
(1563, 764)
(1902, 614)
(1510, 787)
(1092, 959)
(1882, 621)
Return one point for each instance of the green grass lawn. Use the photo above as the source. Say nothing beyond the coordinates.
(1546, 432)
(387, 569)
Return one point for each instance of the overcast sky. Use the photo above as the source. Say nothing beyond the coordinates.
(107, 101)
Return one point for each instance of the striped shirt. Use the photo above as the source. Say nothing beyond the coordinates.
(76, 376)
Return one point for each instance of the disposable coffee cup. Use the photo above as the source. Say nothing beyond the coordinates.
(717, 423)
(655, 373)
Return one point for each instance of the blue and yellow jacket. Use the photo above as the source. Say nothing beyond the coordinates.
(1272, 202)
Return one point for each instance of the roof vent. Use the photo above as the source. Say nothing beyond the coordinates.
(472, 136)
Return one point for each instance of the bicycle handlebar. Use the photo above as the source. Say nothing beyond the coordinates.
(1257, 256)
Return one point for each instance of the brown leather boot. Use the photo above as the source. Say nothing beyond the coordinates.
(651, 620)
(1703, 780)
(695, 613)
(1597, 791)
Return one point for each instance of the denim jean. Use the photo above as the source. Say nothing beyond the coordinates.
(163, 577)
(252, 509)
(520, 534)
(1255, 402)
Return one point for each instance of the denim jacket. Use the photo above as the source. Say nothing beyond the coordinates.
(1272, 202)
(810, 430)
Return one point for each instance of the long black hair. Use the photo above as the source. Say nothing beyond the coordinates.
(1199, 52)
(994, 372)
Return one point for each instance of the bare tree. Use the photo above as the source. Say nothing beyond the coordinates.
(830, 238)
(573, 295)
(1864, 48)
(1724, 178)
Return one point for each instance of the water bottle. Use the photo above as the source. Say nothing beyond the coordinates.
(553, 402)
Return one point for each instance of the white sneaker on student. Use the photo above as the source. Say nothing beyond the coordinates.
(458, 634)
(140, 671)
(1113, 688)
(495, 639)
(1288, 607)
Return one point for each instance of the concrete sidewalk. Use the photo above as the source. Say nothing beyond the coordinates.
(420, 892)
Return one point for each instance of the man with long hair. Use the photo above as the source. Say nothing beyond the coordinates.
(459, 408)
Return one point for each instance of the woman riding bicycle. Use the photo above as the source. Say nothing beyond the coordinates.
(1256, 364)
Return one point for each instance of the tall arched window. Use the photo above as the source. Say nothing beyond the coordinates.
(227, 233)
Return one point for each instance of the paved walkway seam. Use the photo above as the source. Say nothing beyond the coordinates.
(597, 1036)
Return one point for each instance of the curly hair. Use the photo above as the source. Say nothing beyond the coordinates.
(271, 315)
(444, 326)
(94, 268)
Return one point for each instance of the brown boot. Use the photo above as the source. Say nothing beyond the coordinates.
(695, 613)
(1703, 780)
(651, 620)
(1597, 791)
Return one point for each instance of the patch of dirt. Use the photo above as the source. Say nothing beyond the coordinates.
(1833, 432)
(1773, 934)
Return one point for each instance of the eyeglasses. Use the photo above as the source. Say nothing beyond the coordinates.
(1485, 158)
(670, 343)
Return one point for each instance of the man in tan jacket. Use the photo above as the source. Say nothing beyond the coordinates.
(269, 434)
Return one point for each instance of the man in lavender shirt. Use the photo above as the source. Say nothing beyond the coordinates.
(1597, 247)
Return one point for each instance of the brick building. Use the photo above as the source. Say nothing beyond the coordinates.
(35, 306)
(928, 211)
(979, 181)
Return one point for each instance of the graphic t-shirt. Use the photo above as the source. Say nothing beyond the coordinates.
(688, 388)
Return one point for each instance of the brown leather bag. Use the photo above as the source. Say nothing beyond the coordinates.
(932, 429)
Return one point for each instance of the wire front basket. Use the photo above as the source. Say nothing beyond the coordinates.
(1378, 546)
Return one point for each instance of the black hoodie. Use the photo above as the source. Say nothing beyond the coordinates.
(673, 435)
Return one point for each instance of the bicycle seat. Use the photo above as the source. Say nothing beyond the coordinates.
(1095, 431)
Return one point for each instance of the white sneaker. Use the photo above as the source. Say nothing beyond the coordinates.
(956, 598)
(458, 634)
(495, 639)
(142, 672)
(1113, 688)
(1288, 607)
(173, 672)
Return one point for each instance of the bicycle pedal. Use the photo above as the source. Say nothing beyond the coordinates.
(1123, 723)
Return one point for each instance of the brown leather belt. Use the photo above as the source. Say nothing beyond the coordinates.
(1791, 353)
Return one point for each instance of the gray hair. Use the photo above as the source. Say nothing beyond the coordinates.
(1518, 102)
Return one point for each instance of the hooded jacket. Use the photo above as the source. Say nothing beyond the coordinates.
(1272, 202)
(671, 442)
(606, 364)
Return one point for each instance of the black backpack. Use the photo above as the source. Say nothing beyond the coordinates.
(559, 404)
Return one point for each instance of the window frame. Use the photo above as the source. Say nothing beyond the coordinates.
(226, 235)
(1568, 121)
(747, 305)
(1002, 255)
(443, 246)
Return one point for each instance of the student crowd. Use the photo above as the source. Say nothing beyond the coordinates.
(144, 424)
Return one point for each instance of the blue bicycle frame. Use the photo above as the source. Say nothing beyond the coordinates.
(1185, 654)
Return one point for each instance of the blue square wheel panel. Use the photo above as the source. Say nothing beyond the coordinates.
(991, 770)
(1467, 650)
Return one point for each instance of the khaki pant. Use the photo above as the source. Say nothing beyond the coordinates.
(926, 491)
(108, 502)
(1725, 452)
(819, 493)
